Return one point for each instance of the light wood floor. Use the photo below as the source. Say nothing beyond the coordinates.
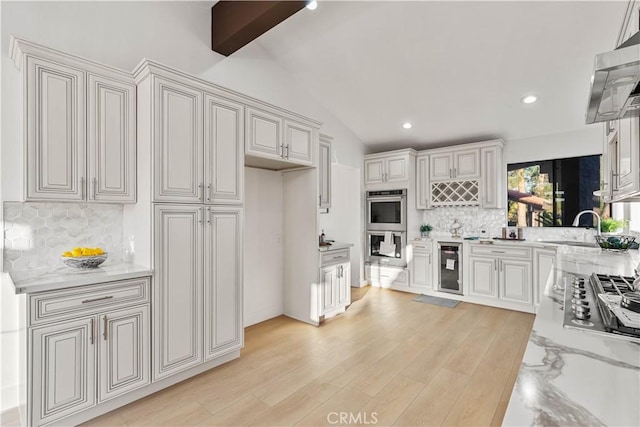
(407, 362)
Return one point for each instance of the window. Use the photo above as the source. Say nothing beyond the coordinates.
(550, 193)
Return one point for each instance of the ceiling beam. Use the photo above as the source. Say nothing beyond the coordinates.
(235, 24)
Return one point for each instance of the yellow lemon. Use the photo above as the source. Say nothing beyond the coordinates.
(76, 252)
(98, 251)
(67, 254)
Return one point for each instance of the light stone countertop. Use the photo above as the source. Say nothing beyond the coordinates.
(335, 246)
(68, 277)
(576, 378)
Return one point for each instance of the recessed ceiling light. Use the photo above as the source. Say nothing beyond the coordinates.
(407, 125)
(312, 5)
(530, 99)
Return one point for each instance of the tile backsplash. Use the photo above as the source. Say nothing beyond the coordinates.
(36, 234)
(470, 217)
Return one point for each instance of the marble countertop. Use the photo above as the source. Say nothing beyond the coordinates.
(576, 378)
(335, 246)
(67, 277)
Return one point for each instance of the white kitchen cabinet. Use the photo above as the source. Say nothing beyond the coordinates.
(86, 345)
(623, 160)
(223, 150)
(324, 172)
(392, 167)
(334, 290)
(493, 189)
(502, 272)
(544, 262)
(423, 192)
(483, 277)
(264, 134)
(298, 143)
(178, 149)
(387, 276)
(124, 351)
(111, 140)
(55, 131)
(515, 281)
(458, 164)
(80, 127)
(223, 328)
(421, 264)
(63, 370)
(178, 289)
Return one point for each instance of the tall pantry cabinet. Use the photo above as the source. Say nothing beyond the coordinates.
(191, 139)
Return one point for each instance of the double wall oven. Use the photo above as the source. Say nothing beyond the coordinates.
(387, 227)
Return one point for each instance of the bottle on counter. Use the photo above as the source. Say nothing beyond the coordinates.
(322, 238)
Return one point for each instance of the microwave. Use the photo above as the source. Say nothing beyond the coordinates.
(376, 253)
(387, 210)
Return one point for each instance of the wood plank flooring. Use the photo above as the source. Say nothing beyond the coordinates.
(409, 363)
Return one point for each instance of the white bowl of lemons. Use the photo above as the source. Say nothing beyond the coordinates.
(84, 257)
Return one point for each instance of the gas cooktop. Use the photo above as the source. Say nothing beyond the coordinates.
(603, 304)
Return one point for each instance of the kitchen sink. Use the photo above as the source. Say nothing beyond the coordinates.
(572, 243)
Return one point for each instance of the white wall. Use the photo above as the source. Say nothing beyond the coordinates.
(263, 280)
(340, 223)
(583, 142)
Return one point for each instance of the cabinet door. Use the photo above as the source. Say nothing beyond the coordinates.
(55, 127)
(177, 289)
(483, 277)
(515, 281)
(397, 169)
(466, 164)
(328, 299)
(264, 134)
(628, 157)
(124, 351)
(423, 195)
(343, 284)
(491, 177)
(223, 329)
(223, 151)
(440, 167)
(298, 146)
(421, 273)
(543, 271)
(178, 150)
(324, 166)
(112, 140)
(374, 171)
(64, 369)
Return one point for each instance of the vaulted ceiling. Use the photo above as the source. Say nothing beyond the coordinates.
(456, 70)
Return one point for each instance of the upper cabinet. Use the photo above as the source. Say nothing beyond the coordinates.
(463, 175)
(455, 165)
(80, 123)
(195, 138)
(391, 168)
(622, 159)
(178, 150)
(276, 141)
(324, 172)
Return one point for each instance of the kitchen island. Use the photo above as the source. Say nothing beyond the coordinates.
(575, 378)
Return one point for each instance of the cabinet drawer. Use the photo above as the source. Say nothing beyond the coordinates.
(422, 247)
(393, 276)
(335, 257)
(80, 301)
(501, 251)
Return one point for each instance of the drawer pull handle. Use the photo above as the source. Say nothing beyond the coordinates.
(498, 252)
(97, 299)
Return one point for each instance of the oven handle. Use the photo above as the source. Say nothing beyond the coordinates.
(386, 199)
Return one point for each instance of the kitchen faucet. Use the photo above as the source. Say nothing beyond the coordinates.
(577, 219)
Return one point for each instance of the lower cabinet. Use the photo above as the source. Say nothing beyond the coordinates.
(99, 354)
(335, 283)
(501, 272)
(544, 262)
(421, 265)
(387, 276)
(198, 292)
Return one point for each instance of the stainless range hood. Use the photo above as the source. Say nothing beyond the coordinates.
(615, 88)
